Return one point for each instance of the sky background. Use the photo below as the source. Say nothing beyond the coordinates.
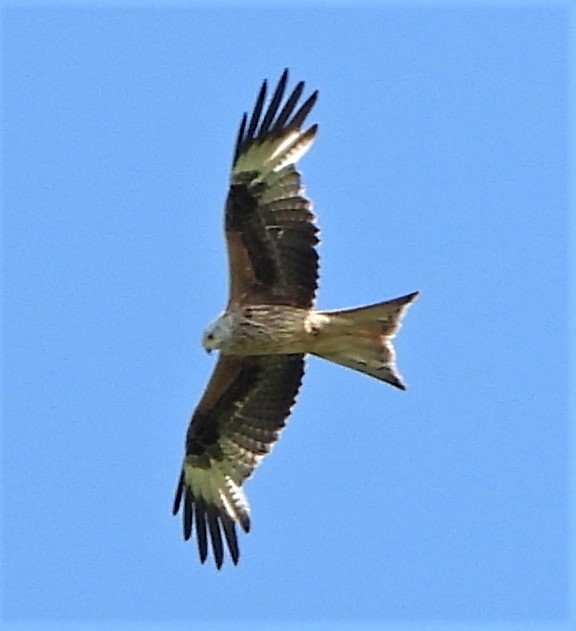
(441, 165)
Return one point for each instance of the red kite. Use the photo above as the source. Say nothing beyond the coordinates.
(269, 324)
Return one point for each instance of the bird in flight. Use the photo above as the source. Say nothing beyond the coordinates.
(269, 324)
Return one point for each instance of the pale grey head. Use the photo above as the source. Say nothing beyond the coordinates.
(217, 333)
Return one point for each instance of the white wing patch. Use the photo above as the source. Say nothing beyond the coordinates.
(217, 488)
(273, 154)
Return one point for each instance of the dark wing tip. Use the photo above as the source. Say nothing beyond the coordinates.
(255, 118)
(301, 115)
(207, 519)
(240, 136)
(215, 535)
(311, 131)
(273, 105)
(187, 516)
(229, 528)
(245, 522)
(178, 495)
(275, 119)
(201, 531)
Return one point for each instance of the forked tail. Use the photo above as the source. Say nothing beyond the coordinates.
(361, 338)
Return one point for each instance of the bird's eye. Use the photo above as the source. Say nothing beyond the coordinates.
(210, 336)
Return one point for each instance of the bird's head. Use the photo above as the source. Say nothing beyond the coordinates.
(217, 334)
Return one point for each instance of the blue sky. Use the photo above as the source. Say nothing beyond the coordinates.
(441, 165)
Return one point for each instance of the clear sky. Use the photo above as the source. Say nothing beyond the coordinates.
(441, 165)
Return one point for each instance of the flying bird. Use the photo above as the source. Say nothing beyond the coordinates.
(269, 324)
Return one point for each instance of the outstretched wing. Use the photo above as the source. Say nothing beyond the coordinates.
(234, 426)
(269, 222)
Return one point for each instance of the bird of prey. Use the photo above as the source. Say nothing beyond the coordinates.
(269, 324)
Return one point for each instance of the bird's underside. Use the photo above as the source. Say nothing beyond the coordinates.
(269, 325)
(356, 338)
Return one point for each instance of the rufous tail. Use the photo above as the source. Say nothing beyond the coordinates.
(361, 338)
